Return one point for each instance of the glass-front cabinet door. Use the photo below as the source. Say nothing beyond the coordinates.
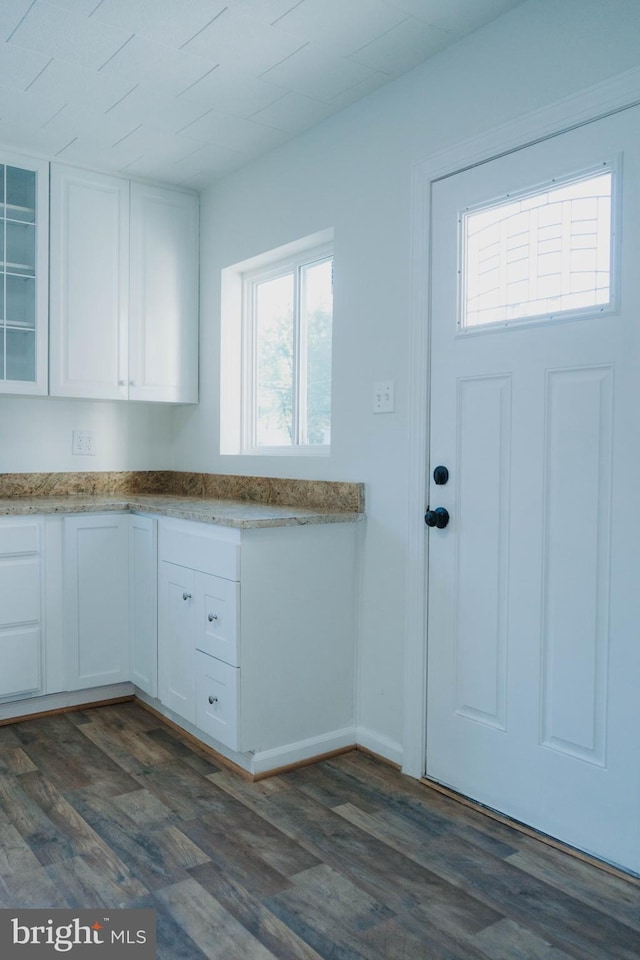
(23, 274)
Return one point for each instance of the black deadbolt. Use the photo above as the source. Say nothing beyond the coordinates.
(440, 476)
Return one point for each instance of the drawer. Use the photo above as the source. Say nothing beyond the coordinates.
(218, 613)
(20, 657)
(217, 699)
(196, 545)
(19, 591)
(19, 538)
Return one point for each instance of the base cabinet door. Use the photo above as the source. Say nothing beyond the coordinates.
(96, 604)
(176, 648)
(20, 608)
(20, 654)
(143, 604)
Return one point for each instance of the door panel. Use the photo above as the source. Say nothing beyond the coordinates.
(96, 575)
(575, 559)
(89, 284)
(483, 412)
(176, 639)
(533, 659)
(143, 602)
(163, 329)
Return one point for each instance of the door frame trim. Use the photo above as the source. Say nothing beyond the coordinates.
(602, 99)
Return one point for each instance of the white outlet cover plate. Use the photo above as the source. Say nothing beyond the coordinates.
(84, 443)
(383, 396)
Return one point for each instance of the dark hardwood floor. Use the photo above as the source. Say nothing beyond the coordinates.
(344, 860)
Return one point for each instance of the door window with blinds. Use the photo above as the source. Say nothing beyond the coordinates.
(539, 255)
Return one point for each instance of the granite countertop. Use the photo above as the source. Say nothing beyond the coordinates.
(228, 513)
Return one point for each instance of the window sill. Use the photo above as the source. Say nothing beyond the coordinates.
(308, 451)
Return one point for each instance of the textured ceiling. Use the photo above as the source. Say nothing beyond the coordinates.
(183, 91)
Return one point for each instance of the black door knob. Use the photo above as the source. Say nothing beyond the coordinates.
(437, 518)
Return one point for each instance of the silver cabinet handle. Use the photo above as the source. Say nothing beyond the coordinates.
(133, 383)
(186, 596)
(213, 699)
(212, 617)
(122, 383)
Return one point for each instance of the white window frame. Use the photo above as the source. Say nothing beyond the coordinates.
(610, 166)
(292, 264)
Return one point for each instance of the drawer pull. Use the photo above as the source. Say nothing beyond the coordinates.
(212, 617)
(213, 699)
(186, 596)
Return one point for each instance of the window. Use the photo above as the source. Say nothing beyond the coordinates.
(539, 254)
(276, 331)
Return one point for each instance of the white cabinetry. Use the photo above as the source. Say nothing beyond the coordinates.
(143, 606)
(257, 626)
(96, 607)
(89, 284)
(124, 289)
(245, 637)
(20, 606)
(217, 699)
(176, 650)
(24, 229)
(163, 304)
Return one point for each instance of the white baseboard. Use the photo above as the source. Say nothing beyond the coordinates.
(291, 753)
(262, 761)
(243, 760)
(379, 744)
(61, 701)
(259, 763)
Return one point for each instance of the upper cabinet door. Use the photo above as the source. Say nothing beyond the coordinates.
(24, 228)
(163, 332)
(89, 284)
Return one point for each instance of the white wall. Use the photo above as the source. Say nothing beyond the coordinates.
(35, 435)
(353, 173)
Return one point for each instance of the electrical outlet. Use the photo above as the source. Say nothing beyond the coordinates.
(383, 396)
(84, 443)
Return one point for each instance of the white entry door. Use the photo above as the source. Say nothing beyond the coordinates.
(534, 585)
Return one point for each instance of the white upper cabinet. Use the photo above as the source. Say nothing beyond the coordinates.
(163, 302)
(24, 224)
(89, 284)
(124, 289)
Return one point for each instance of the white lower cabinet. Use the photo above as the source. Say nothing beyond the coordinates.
(218, 602)
(96, 603)
(198, 649)
(217, 699)
(246, 635)
(110, 600)
(143, 602)
(20, 608)
(256, 631)
(176, 650)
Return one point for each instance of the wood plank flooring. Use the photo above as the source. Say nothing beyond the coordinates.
(343, 860)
